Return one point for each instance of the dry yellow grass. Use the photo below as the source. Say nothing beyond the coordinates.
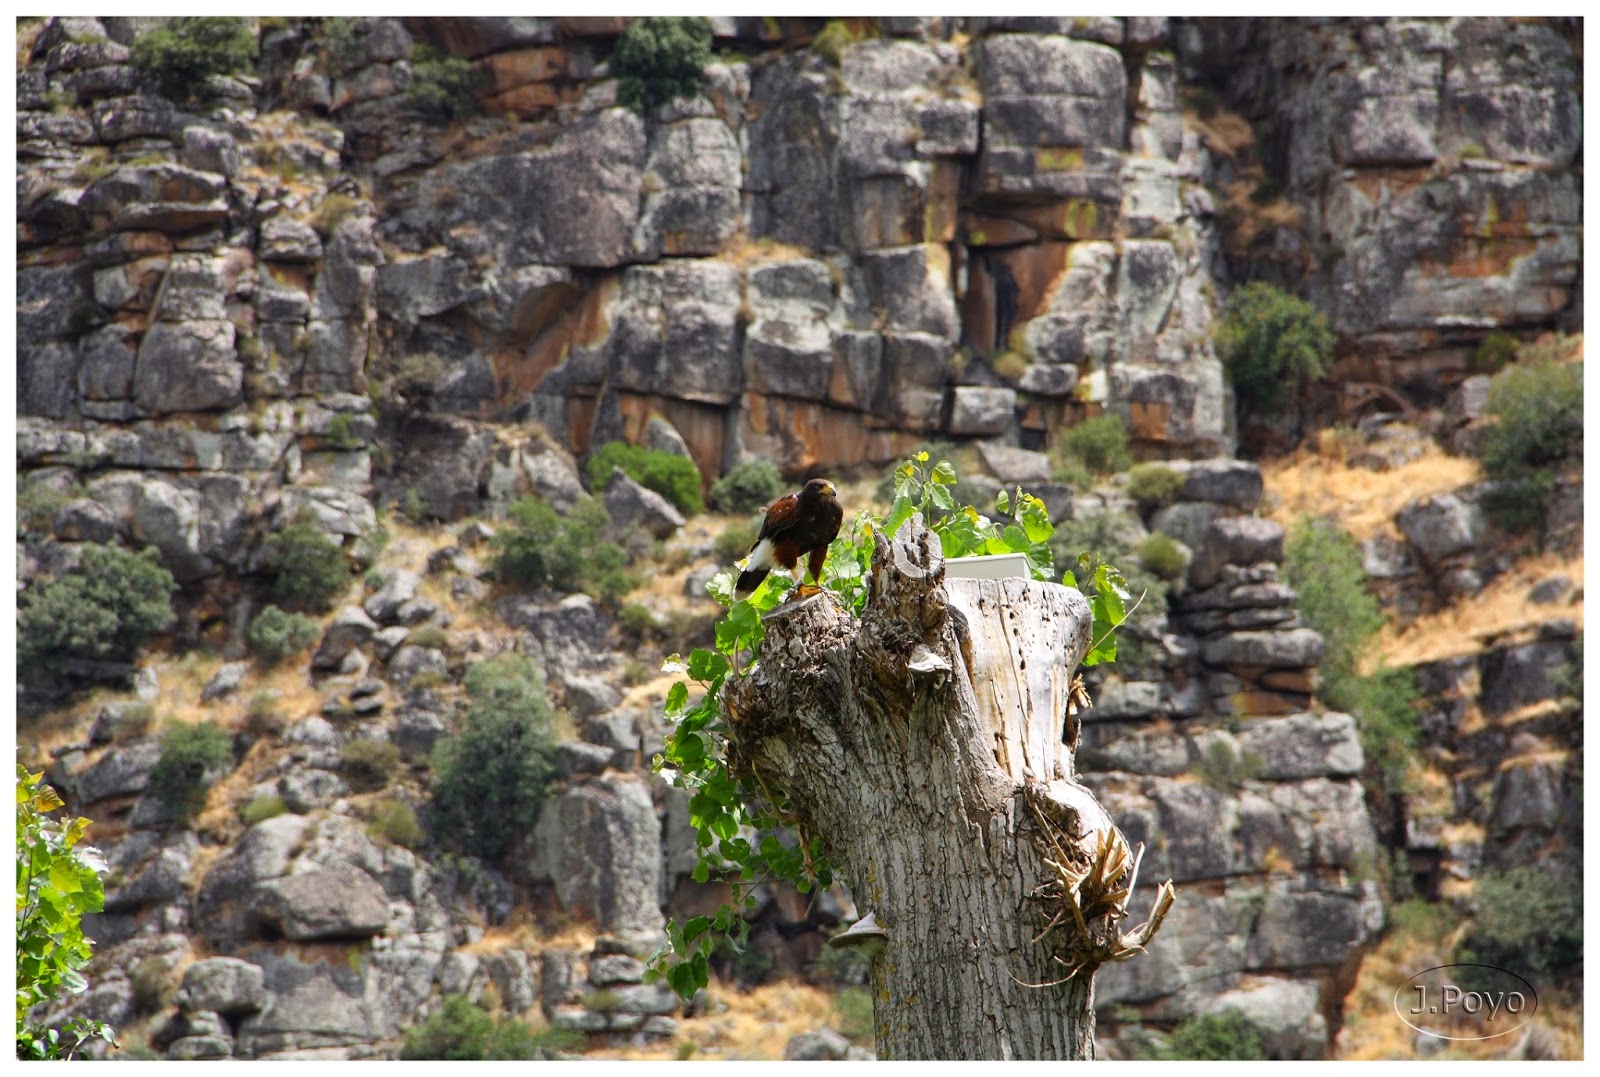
(1372, 1030)
(524, 932)
(1363, 502)
(754, 1024)
(1501, 607)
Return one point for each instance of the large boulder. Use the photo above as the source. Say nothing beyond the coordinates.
(188, 366)
(224, 907)
(692, 178)
(1234, 540)
(1295, 648)
(631, 507)
(1055, 113)
(598, 162)
(1235, 483)
(341, 902)
(383, 605)
(687, 307)
(1286, 1012)
(600, 844)
(350, 629)
(1305, 746)
(823, 1045)
(311, 1006)
(981, 410)
(226, 985)
(120, 771)
(1439, 526)
(160, 882)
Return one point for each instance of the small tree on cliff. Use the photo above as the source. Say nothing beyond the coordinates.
(918, 733)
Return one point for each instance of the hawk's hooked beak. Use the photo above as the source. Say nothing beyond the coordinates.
(828, 490)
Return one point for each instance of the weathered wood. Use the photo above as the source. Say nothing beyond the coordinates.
(923, 743)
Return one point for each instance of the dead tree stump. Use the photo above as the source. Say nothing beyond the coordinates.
(929, 744)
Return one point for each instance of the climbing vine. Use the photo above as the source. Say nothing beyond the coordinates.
(58, 881)
(745, 831)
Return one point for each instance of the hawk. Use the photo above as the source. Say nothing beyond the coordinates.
(798, 525)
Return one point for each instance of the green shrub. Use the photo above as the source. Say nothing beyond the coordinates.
(1493, 353)
(1100, 444)
(1425, 922)
(459, 1031)
(637, 620)
(428, 678)
(266, 806)
(541, 548)
(489, 780)
(151, 986)
(334, 209)
(367, 548)
(747, 487)
(1228, 1036)
(308, 568)
(1270, 342)
(264, 717)
(275, 634)
(1154, 485)
(1528, 921)
(394, 821)
(1323, 564)
(604, 1000)
(341, 433)
(672, 476)
(106, 608)
(57, 883)
(1224, 769)
(661, 59)
(1538, 408)
(845, 966)
(852, 1011)
(832, 39)
(369, 763)
(189, 50)
(1386, 707)
(429, 635)
(192, 758)
(1537, 436)
(38, 502)
(736, 541)
(443, 87)
(339, 45)
(1161, 555)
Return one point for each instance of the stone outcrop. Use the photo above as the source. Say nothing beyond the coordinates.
(300, 299)
(1208, 754)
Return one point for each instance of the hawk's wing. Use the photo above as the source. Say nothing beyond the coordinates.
(784, 514)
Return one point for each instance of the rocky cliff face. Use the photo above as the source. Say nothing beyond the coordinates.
(1433, 169)
(304, 297)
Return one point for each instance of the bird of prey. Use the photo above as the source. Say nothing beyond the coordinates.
(798, 525)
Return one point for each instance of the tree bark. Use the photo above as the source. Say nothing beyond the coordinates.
(929, 744)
